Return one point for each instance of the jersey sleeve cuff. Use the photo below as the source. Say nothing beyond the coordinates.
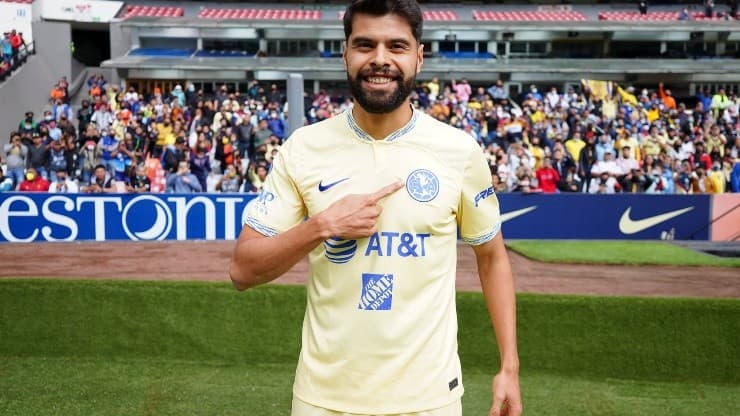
(483, 238)
(265, 230)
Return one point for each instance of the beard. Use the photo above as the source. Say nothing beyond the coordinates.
(381, 102)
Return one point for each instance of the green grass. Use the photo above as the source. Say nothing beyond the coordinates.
(617, 252)
(175, 348)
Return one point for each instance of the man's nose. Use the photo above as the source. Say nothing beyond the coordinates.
(380, 56)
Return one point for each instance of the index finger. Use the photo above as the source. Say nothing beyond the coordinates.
(385, 191)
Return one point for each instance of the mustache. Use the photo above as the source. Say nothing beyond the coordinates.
(385, 72)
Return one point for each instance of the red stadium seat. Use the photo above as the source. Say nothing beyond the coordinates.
(529, 16)
(260, 14)
(652, 16)
(440, 15)
(431, 15)
(153, 11)
(18, 1)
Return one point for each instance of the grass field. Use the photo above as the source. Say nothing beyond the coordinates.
(176, 348)
(616, 252)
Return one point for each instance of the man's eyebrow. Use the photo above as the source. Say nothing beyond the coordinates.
(362, 40)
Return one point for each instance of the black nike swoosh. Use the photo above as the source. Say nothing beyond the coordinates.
(324, 188)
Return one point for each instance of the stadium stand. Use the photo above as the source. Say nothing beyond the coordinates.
(626, 16)
(260, 14)
(152, 11)
(529, 16)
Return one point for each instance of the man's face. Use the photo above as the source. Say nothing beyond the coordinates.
(382, 59)
(100, 173)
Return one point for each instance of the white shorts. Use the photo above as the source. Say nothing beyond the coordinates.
(301, 408)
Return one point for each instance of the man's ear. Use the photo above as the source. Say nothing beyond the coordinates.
(419, 58)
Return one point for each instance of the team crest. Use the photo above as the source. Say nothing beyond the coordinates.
(422, 185)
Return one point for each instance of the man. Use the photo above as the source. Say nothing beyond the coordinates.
(34, 182)
(183, 181)
(63, 184)
(15, 159)
(100, 182)
(379, 334)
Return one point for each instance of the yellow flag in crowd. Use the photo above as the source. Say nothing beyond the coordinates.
(600, 89)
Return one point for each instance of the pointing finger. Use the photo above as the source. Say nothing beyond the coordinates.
(385, 191)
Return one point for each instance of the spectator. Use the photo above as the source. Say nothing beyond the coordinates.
(173, 155)
(57, 158)
(230, 181)
(140, 182)
(90, 156)
(34, 182)
(16, 41)
(574, 146)
(709, 8)
(6, 183)
(63, 184)
(15, 159)
(720, 102)
(38, 157)
(684, 15)
(182, 181)
(603, 184)
(257, 174)
(122, 161)
(7, 48)
(108, 150)
(642, 7)
(276, 125)
(100, 182)
(200, 164)
(666, 96)
(103, 118)
(547, 177)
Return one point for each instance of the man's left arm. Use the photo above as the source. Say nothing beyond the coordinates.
(497, 282)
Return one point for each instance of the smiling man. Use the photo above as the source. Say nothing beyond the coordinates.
(376, 198)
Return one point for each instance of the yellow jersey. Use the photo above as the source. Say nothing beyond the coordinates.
(380, 329)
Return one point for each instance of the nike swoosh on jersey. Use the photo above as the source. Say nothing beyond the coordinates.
(324, 188)
(513, 214)
(629, 226)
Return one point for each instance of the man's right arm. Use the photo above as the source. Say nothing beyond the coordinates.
(259, 259)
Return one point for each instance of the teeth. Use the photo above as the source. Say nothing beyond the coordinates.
(379, 80)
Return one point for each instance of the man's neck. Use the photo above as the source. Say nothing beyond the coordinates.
(379, 126)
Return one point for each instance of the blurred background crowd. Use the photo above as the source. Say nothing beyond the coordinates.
(599, 138)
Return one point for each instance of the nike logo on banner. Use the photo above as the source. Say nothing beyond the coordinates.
(324, 188)
(629, 226)
(513, 214)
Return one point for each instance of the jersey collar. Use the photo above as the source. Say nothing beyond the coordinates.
(391, 137)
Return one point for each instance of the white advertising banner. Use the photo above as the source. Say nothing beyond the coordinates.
(80, 10)
(16, 16)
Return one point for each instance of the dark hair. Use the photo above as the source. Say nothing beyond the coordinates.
(408, 9)
(99, 167)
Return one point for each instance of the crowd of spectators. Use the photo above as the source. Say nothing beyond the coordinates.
(14, 52)
(580, 140)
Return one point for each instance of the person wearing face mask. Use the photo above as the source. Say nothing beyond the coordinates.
(276, 125)
(27, 127)
(34, 182)
(63, 184)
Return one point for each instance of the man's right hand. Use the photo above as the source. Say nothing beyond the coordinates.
(355, 216)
